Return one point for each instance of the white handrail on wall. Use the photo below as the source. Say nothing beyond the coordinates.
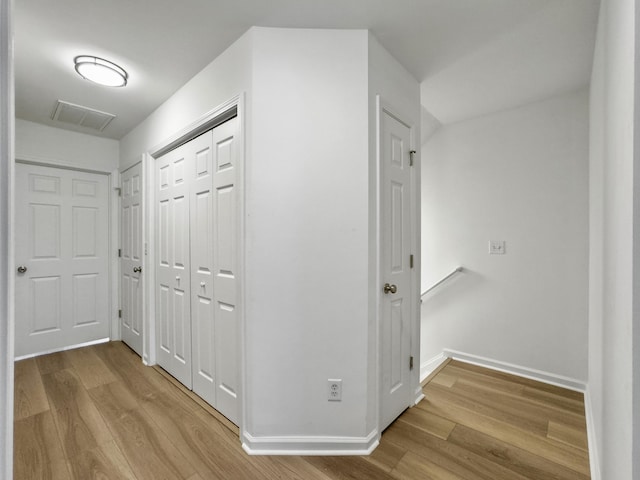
(457, 270)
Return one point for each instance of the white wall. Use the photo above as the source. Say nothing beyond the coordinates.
(614, 258)
(41, 143)
(227, 76)
(520, 176)
(6, 239)
(307, 193)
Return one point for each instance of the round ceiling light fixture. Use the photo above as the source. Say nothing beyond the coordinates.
(100, 71)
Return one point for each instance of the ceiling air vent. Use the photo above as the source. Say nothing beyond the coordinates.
(81, 116)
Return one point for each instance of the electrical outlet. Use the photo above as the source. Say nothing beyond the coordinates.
(334, 390)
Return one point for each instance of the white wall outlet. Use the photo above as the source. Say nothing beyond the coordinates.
(334, 390)
(497, 247)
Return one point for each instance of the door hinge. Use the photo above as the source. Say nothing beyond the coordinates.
(120, 316)
(411, 261)
(119, 252)
(411, 155)
(411, 363)
(119, 191)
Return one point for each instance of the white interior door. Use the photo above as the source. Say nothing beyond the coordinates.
(197, 281)
(202, 303)
(62, 282)
(215, 339)
(131, 257)
(173, 267)
(396, 234)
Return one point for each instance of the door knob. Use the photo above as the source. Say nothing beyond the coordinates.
(390, 288)
(137, 269)
(22, 269)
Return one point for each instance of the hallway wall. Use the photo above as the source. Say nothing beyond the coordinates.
(520, 176)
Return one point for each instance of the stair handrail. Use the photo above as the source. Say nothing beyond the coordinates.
(444, 279)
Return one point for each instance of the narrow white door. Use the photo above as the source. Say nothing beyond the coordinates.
(62, 278)
(215, 326)
(202, 303)
(131, 257)
(173, 268)
(396, 231)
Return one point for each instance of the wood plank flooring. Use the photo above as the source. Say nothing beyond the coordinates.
(98, 413)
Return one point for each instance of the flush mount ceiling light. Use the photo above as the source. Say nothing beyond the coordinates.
(101, 71)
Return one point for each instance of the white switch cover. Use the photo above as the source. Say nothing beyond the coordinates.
(497, 247)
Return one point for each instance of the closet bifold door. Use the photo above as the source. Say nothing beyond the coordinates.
(214, 271)
(225, 267)
(173, 266)
(197, 263)
(202, 249)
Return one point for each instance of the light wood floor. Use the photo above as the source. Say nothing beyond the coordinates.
(98, 413)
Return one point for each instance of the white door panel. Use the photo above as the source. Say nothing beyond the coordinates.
(202, 314)
(396, 235)
(173, 266)
(62, 240)
(131, 257)
(225, 268)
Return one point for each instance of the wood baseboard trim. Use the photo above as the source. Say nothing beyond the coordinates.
(538, 375)
(325, 446)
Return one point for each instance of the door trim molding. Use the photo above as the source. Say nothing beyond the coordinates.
(382, 106)
(55, 163)
(209, 120)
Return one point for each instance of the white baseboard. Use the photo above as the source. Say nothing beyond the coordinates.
(310, 445)
(594, 458)
(62, 349)
(540, 376)
(430, 366)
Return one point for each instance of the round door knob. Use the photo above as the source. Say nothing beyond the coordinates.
(390, 288)
(137, 269)
(22, 269)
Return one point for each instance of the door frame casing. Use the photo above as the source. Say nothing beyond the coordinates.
(207, 121)
(383, 106)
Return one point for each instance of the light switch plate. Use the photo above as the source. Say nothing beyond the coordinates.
(497, 247)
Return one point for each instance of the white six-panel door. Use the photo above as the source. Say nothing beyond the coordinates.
(225, 267)
(131, 257)
(197, 279)
(62, 296)
(173, 266)
(396, 232)
(202, 231)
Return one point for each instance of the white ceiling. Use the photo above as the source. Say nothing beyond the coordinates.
(472, 56)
